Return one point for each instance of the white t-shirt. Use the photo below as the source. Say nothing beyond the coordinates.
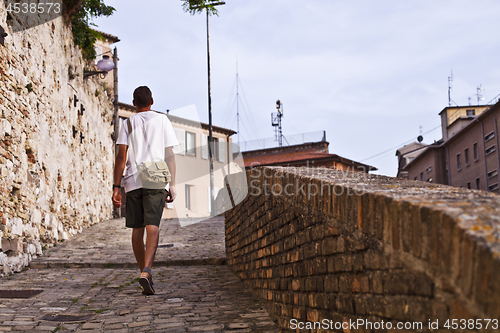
(158, 130)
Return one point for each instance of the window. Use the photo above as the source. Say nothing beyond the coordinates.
(492, 173)
(471, 112)
(489, 136)
(218, 153)
(478, 185)
(429, 180)
(190, 144)
(181, 137)
(476, 151)
(429, 169)
(468, 185)
(188, 196)
(493, 187)
(422, 176)
(215, 151)
(415, 178)
(490, 150)
(98, 53)
(222, 151)
(204, 146)
(459, 164)
(466, 155)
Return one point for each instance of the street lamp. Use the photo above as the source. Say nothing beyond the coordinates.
(210, 136)
(104, 66)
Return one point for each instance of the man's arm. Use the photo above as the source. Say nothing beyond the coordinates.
(170, 160)
(121, 158)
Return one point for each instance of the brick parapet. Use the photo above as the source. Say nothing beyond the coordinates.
(323, 244)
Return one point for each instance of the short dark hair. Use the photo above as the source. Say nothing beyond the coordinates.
(142, 96)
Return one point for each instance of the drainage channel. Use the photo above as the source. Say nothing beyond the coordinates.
(26, 293)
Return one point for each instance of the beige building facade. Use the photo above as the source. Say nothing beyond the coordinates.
(105, 48)
(192, 164)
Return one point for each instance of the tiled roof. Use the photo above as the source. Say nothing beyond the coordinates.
(112, 38)
(298, 157)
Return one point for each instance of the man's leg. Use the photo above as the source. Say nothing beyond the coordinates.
(152, 237)
(135, 220)
(153, 203)
(138, 246)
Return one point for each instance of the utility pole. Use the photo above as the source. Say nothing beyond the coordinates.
(210, 136)
(115, 94)
(115, 105)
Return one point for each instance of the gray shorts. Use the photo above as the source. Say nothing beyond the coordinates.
(144, 207)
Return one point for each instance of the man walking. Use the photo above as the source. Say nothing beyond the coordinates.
(148, 138)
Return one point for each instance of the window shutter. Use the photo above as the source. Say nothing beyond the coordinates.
(181, 137)
(204, 146)
(222, 155)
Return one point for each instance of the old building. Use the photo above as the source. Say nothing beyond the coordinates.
(311, 154)
(103, 48)
(406, 154)
(192, 164)
(467, 156)
(455, 118)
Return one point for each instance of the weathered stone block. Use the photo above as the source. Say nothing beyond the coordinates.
(14, 245)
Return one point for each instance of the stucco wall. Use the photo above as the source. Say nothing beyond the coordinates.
(55, 160)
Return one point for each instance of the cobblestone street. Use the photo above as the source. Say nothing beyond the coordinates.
(89, 283)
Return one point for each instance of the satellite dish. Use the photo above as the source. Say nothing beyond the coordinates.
(420, 138)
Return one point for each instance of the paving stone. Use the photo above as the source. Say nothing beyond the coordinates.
(203, 298)
(91, 326)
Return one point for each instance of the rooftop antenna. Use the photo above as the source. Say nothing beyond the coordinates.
(420, 138)
(276, 122)
(237, 103)
(450, 82)
(479, 96)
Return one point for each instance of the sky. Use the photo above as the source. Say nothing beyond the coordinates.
(372, 74)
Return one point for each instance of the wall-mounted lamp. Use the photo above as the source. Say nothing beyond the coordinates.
(104, 66)
(3, 34)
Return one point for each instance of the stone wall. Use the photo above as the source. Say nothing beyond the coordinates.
(56, 150)
(320, 244)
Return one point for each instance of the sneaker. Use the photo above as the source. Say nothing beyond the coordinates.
(147, 282)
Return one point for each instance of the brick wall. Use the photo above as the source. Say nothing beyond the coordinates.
(320, 244)
(56, 151)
